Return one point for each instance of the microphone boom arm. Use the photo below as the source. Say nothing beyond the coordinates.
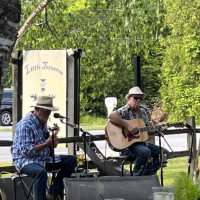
(75, 126)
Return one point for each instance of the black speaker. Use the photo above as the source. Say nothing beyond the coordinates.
(14, 188)
(105, 187)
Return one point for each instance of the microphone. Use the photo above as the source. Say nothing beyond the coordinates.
(57, 115)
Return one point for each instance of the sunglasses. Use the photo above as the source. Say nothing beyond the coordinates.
(138, 98)
(45, 110)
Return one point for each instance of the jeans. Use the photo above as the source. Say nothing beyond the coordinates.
(142, 153)
(39, 174)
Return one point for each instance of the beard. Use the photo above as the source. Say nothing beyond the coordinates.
(43, 120)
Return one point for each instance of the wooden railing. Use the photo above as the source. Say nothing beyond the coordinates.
(191, 143)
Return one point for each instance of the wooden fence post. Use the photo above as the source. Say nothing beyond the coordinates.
(191, 145)
(17, 90)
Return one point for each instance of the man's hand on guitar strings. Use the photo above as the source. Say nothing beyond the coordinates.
(134, 130)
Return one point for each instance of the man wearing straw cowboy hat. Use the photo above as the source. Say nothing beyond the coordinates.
(31, 152)
(142, 152)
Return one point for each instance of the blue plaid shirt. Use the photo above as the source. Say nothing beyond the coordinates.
(28, 134)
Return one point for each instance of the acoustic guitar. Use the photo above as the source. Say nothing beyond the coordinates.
(119, 138)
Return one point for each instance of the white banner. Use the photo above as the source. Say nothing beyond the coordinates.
(44, 73)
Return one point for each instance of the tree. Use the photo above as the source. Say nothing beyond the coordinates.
(163, 32)
(111, 33)
(31, 18)
(10, 13)
(181, 66)
(9, 21)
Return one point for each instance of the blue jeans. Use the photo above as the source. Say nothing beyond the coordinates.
(39, 175)
(142, 153)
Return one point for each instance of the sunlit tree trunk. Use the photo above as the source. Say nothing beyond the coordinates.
(10, 11)
(31, 18)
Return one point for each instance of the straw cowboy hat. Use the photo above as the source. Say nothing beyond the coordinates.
(45, 102)
(134, 90)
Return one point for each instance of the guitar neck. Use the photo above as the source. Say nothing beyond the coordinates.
(148, 128)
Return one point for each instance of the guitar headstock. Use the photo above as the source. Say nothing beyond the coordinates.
(57, 128)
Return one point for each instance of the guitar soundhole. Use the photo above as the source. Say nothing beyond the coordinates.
(131, 137)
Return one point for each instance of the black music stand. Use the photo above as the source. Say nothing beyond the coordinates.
(52, 129)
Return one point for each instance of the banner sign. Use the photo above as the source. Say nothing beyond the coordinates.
(44, 74)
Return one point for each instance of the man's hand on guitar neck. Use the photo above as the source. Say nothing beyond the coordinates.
(156, 130)
(162, 128)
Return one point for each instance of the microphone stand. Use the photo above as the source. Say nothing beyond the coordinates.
(52, 129)
(84, 133)
(161, 156)
(160, 134)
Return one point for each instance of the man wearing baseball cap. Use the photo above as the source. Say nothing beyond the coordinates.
(143, 151)
(31, 151)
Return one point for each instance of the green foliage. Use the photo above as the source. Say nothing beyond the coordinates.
(89, 122)
(181, 65)
(87, 119)
(165, 33)
(111, 33)
(174, 166)
(185, 189)
(8, 83)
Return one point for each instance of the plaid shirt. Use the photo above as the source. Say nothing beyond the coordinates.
(127, 113)
(28, 134)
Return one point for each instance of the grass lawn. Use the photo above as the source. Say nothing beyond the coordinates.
(2, 164)
(90, 127)
(6, 130)
(174, 167)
